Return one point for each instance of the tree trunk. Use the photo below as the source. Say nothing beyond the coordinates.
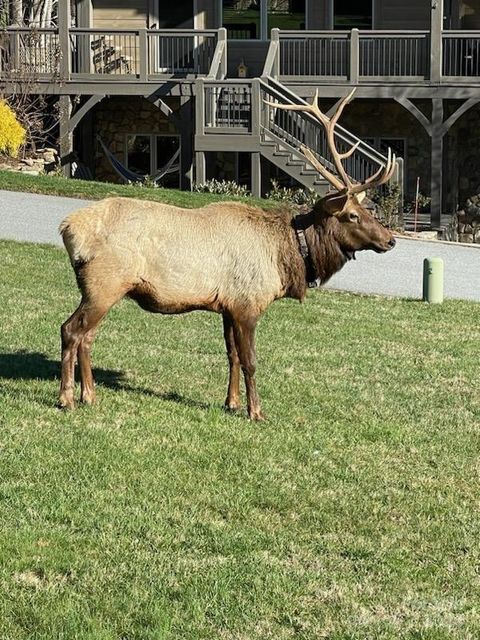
(17, 12)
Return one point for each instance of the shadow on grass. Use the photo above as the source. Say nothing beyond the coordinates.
(23, 365)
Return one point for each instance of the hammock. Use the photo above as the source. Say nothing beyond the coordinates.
(130, 176)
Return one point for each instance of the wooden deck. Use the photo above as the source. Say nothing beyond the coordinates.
(62, 57)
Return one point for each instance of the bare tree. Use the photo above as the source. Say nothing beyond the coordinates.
(30, 13)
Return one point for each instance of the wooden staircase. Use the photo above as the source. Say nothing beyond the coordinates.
(241, 115)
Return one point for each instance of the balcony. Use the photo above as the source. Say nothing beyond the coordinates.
(369, 57)
(61, 57)
(141, 55)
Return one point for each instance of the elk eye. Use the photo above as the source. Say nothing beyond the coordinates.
(353, 217)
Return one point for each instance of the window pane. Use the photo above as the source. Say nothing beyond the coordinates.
(350, 14)
(241, 18)
(139, 154)
(286, 14)
(175, 15)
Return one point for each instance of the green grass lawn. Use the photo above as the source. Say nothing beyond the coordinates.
(351, 514)
(90, 190)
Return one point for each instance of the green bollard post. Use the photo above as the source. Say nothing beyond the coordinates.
(433, 280)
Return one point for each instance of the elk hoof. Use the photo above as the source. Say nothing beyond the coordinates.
(232, 405)
(66, 402)
(256, 415)
(88, 398)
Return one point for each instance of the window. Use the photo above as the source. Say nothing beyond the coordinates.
(149, 154)
(250, 19)
(352, 14)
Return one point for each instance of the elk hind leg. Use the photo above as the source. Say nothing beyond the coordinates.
(232, 402)
(77, 336)
(84, 361)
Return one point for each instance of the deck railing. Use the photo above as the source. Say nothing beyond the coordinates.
(353, 56)
(142, 55)
(29, 52)
(461, 54)
(112, 54)
(394, 54)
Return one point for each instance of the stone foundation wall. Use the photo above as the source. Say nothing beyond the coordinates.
(116, 117)
(467, 221)
(466, 133)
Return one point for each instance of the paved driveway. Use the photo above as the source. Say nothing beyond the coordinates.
(398, 273)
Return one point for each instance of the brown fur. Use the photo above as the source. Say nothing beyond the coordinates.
(230, 258)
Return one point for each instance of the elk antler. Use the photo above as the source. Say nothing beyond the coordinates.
(342, 180)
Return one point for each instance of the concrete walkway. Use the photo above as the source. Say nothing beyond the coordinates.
(35, 218)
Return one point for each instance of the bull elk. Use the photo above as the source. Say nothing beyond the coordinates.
(231, 258)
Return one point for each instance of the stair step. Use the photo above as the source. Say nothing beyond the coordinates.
(285, 154)
(295, 163)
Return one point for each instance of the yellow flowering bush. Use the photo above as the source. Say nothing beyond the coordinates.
(12, 134)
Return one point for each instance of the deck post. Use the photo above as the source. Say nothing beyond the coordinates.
(255, 107)
(275, 37)
(143, 53)
(199, 107)
(64, 39)
(354, 56)
(222, 37)
(436, 180)
(256, 170)
(200, 167)
(436, 29)
(186, 137)
(66, 135)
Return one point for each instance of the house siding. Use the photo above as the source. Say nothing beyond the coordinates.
(126, 14)
(402, 14)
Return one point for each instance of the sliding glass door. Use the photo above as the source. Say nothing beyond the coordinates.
(253, 19)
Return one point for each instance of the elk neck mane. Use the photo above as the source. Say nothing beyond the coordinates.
(325, 254)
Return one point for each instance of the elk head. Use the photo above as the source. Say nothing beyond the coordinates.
(340, 213)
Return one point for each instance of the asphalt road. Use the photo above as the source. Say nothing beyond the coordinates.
(35, 218)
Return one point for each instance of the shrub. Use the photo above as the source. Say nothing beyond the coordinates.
(292, 196)
(387, 203)
(12, 134)
(221, 187)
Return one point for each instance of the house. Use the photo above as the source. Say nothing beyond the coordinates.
(149, 77)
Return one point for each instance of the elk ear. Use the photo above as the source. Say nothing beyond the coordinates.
(361, 196)
(335, 203)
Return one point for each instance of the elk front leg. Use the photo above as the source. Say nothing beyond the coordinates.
(232, 402)
(244, 331)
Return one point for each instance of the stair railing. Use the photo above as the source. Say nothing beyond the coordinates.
(218, 68)
(238, 107)
(297, 128)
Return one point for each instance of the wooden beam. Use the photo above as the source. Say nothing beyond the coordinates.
(64, 39)
(256, 172)
(450, 121)
(436, 28)
(84, 109)
(200, 167)
(415, 111)
(436, 178)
